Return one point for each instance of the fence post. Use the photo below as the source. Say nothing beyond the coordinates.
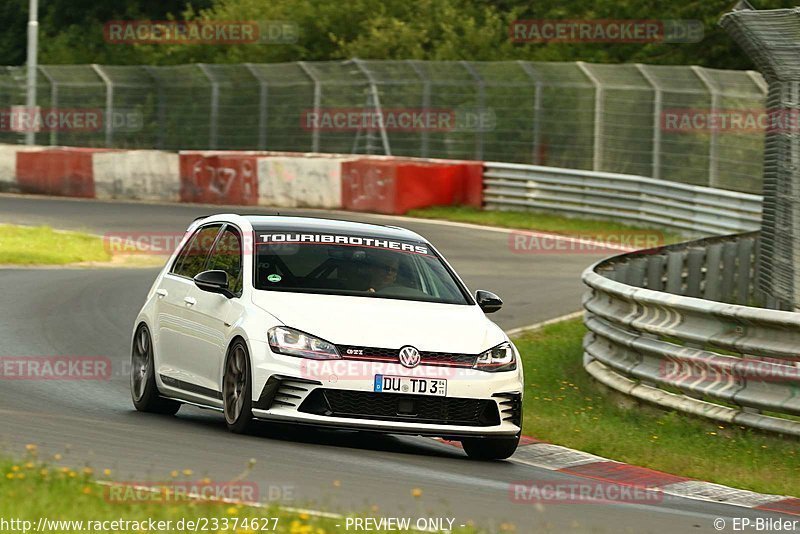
(109, 123)
(536, 157)
(597, 161)
(263, 111)
(317, 103)
(481, 84)
(213, 117)
(657, 110)
(426, 104)
(713, 153)
(161, 107)
(376, 100)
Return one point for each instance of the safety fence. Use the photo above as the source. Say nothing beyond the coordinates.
(683, 124)
(676, 326)
(632, 199)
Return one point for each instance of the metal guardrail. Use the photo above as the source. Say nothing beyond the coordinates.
(669, 326)
(634, 199)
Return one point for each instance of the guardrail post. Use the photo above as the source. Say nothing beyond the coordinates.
(744, 271)
(694, 269)
(675, 261)
(655, 272)
(713, 265)
(636, 272)
(728, 270)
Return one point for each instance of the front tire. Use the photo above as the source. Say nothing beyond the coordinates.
(144, 391)
(490, 448)
(237, 389)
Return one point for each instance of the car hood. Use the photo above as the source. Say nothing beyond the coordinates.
(384, 323)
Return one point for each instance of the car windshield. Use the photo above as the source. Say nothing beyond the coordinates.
(353, 265)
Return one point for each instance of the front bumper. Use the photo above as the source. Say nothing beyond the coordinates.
(339, 394)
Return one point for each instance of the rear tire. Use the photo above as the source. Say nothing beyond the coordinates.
(237, 397)
(490, 448)
(144, 390)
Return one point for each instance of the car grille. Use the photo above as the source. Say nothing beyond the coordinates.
(401, 407)
(449, 359)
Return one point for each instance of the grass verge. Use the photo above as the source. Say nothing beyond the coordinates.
(72, 501)
(541, 221)
(41, 245)
(565, 406)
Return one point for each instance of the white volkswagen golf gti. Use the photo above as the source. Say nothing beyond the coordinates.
(330, 323)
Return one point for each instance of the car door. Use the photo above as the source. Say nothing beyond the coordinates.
(212, 315)
(173, 331)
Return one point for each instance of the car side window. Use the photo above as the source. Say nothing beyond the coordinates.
(227, 256)
(192, 258)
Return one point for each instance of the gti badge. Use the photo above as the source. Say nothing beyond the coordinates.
(409, 356)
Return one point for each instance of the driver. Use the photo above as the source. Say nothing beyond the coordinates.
(382, 271)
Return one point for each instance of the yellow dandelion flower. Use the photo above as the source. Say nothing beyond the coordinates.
(187, 472)
(107, 472)
(173, 474)
(416, 492)
(87, 490)
(232, 510)
(337, 484)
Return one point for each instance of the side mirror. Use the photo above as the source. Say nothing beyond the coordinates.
(213, 282)
(489, 302)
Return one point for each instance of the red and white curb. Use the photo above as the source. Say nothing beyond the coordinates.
(582, 464)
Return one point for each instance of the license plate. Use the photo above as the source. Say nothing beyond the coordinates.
(413, 386)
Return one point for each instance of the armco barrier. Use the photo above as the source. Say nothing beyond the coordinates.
(621, 197)
(671, 326)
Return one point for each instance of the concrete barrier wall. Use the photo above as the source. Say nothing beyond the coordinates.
(280, 179)
(136, 175)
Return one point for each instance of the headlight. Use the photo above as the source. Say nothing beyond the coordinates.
(499, 358)
(293, 342)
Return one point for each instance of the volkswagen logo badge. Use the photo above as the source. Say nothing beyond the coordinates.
(409, 356)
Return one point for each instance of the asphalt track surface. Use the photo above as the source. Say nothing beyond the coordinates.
(89, 312)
